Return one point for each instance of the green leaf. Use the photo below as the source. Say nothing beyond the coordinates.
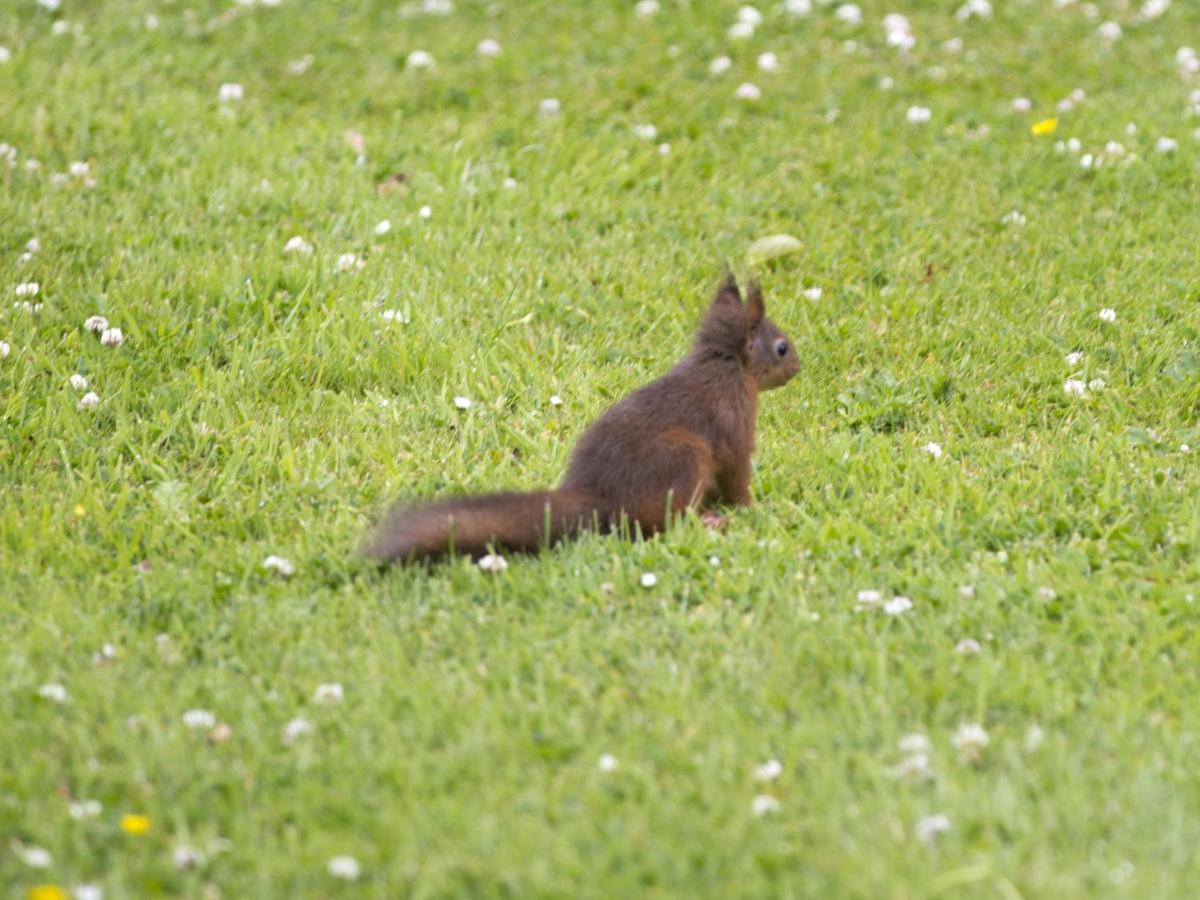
(772, 247)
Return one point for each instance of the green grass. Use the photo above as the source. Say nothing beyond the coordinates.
(261, 405)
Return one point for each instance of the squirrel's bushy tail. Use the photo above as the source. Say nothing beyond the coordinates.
(469, 525)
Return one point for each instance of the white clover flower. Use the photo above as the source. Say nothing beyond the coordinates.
(646, 8)
(437, 7)
(1109, 31)
(5, 55)
(1152, 9)
(344, 867)
(750, 14)
(328, 693)
(967, 591)
(886, 83)
(106, 653)
(1114, 148)
(5, 349)
(748, 91)
(1088, 161)
(1074, 145)
(1108, 315)
(96, 324)
(768, 771)
(969, 741)
(51, 5)
(933, 449)
(719, 65)
(646, 132)
(714, 560)
(53, 692)
(1097, 384)
(897, 606)
(812, 293)
(914, 767)
(88, 401)
(462, 402)
(112, 337)
(648, 579)
(1022, 105)
(230, 92)
(918, 115)
(953, 45)
(84, 809)
(1047, 593)
(300, 66)
(395, 315)
(86, 891)
(915, 743)
(764, 804)
(489, 48)
(425, 212)
(28, 289)
(510, 184)
(980, 8)
(556, 400)
(296, 729)
(608, 762)
(1074, 387)
(768, 62)
(278, 564)
(1014, 218)
(898, 32)
(187, 857)
(798, 7)
(549, 107)
(968, 646)
(741, 31)
(34, 857)
(493, 562)
(382, 227)
(1034, 737)
(664, 149)
(199, 719)
(849, 13)
(348, 262)
(868, 598)
(78, 382)
(1166, 145)
(79, 169)
(929, 827)
(420, 59)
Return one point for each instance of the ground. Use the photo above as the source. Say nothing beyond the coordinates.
(969, 430)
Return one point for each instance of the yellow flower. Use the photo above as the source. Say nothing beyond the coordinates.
(1046, 126)
(80, 512)
(132, 823)
(46, 892)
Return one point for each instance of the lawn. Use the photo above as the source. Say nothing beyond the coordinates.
(1000, 381)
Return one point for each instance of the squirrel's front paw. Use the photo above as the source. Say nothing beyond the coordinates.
(715, 521)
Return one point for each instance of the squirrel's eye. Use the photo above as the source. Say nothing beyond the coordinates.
(781, 348)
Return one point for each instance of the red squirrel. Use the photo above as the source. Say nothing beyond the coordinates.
(682, 441)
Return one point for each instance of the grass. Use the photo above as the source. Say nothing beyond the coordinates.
(262, 405)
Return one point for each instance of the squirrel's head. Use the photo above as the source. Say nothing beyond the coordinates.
(741, 330)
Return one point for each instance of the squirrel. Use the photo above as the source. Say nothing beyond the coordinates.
(682, 441)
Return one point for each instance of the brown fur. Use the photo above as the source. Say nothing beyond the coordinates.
(683, 440)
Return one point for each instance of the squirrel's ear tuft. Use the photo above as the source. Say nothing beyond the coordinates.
(755, 309)
(727, 292)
